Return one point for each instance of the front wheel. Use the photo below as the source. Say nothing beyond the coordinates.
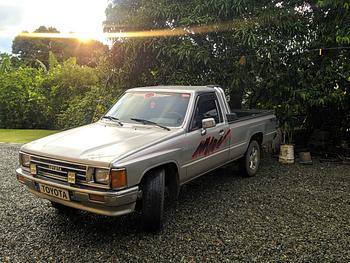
(249, 163)
(153, 200)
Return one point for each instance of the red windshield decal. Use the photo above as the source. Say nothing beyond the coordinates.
(148, 95)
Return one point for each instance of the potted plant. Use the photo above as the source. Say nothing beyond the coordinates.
(286, 155)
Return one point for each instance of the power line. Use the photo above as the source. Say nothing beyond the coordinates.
(268, 55)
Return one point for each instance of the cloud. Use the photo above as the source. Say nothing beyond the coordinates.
(10, 16)
(80, 16)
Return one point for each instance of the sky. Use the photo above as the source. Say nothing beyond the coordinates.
(80, 16)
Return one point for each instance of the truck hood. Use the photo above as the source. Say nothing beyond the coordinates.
(98, 143)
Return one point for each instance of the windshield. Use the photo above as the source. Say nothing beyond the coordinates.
(168, 109)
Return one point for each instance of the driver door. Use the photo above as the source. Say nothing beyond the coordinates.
(206, 151)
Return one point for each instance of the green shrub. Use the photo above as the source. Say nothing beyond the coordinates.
(22, 104)
(85, 109)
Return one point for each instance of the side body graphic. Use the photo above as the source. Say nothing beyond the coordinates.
(210, 144)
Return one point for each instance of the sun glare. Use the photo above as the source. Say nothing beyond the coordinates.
(180, 31)
(84, 37)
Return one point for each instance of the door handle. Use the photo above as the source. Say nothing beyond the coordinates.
(221, 132)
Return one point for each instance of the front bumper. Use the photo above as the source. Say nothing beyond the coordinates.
(115, 203)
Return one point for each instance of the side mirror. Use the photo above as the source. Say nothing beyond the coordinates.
(207, 123)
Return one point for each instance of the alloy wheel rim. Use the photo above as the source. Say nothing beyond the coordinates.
(253, 158)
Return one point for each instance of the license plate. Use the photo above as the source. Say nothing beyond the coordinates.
(55, 192)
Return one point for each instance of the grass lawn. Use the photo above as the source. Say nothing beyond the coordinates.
(22, 136)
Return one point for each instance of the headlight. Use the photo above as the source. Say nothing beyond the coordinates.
(24, 159)
(102, 176)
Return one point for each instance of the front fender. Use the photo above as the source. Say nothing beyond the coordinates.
(140, 163)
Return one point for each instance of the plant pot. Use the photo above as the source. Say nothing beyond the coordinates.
(286, 154)
(305, 157)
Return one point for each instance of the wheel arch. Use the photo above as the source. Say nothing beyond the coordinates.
(172, 180)
(243, 165)
(258, 136)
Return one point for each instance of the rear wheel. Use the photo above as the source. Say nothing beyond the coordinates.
(249, 163)
(153, 200)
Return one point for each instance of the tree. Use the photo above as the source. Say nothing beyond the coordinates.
(264, 53)
(33, 49)
(238, 28)
(62, 95)
(5, 63)
(22, 104)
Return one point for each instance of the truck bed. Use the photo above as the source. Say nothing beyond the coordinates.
(240, 115)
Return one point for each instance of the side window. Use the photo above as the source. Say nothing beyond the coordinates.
(207, 107)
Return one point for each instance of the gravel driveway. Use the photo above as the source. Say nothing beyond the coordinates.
(285, 214)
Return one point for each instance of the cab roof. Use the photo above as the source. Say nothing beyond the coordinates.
(174, 88)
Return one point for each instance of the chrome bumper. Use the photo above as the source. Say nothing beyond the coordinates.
(115, 203)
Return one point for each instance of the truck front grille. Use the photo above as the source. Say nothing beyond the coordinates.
(58, 170)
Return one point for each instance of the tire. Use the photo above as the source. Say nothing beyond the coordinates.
(249, 163)
(153, 200)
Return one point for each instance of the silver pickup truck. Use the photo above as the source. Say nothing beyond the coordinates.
(152, 141)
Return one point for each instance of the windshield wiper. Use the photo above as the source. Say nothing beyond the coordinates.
(111, 118)
(150, 122)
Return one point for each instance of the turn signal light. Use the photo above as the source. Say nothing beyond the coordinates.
(99, 198)
(118, 179)
(21, 178)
